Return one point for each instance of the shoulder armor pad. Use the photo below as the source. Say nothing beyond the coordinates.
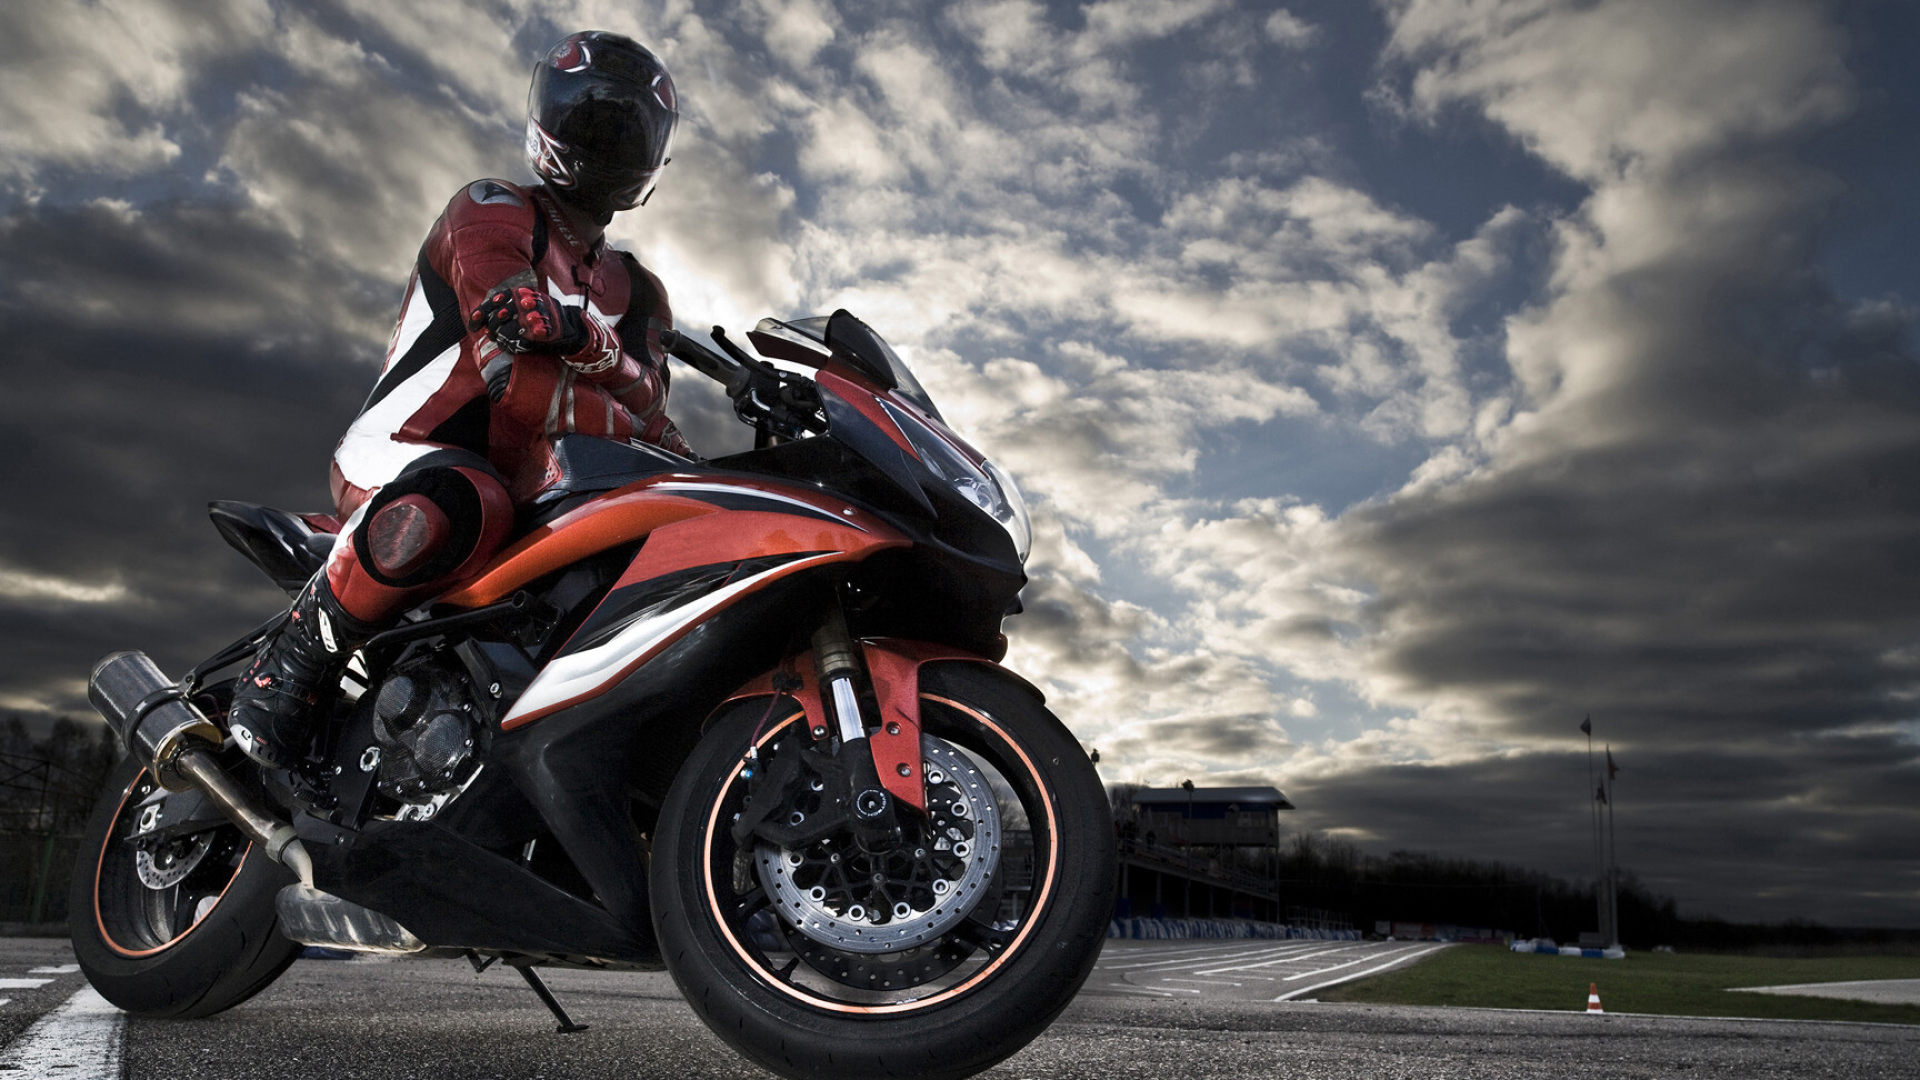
(496, 193)
(490, 203)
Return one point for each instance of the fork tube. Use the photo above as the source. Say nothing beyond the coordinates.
(846, 710)
(836, 665)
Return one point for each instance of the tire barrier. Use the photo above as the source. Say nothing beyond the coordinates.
(1174, 929)
(1546, 947)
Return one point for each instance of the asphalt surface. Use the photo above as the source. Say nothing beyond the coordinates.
(425, 1020)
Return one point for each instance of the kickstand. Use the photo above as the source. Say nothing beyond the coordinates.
(567, 1026)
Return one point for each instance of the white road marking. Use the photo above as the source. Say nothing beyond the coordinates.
(1281, 952)
(1183, 954)
(1321, 963)
(5, 1001)
(83, 1039)
(1282, 960)
(1880, 991)
(1284, 950)
(23, 984)
(62, 969)
(1348, 964)
(1358, 974)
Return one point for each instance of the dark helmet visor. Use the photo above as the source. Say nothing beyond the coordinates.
(609, 126)
(606, 109)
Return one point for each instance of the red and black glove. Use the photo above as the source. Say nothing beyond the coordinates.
(523, 319)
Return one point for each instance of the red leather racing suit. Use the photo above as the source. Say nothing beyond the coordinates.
(455, 432)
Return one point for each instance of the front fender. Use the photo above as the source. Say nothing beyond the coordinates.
(894, 666)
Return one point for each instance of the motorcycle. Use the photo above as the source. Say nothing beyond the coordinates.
(743, 719)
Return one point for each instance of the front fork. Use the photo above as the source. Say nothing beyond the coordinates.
(893, 743)
(882, 786)
(836, 665)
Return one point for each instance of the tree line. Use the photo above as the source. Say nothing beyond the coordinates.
(48, 786)
(1313, 871)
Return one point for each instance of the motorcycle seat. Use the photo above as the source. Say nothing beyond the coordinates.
(288, 547)
(291, 547)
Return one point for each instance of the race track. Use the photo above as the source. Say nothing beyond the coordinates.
(1151, 1010)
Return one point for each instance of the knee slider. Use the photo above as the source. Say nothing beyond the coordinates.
(404, 535)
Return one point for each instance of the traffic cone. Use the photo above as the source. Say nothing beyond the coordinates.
(1593, 1000)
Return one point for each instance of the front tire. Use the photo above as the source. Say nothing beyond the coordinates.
(943, 1009)
(203, 944)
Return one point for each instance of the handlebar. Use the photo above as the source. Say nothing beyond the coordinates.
(771, 400)
(721, 369)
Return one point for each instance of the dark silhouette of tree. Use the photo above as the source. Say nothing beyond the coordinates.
(1316, 871)
(48, 787)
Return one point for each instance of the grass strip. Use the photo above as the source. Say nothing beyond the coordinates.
(1671, 984)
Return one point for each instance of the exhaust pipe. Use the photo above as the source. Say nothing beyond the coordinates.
(172, 737)
(312, 917)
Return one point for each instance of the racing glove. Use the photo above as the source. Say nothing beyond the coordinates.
(521, 319)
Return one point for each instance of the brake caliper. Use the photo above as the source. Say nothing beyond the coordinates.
(799, 794)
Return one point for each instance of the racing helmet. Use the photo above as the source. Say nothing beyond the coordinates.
(600, 119)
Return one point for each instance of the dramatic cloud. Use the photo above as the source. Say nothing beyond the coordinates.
(1393, 385)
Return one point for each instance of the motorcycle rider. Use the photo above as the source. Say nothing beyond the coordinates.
(519, 323)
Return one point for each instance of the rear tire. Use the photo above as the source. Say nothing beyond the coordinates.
(796, 1018)
(198, 947)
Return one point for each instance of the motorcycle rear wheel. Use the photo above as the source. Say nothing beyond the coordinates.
(199, 946)
(944, 1009)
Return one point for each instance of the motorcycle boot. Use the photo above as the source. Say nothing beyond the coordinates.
(293, 674)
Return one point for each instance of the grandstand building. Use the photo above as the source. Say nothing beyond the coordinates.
(1180, 853)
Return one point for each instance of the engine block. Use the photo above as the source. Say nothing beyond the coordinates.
(426, 727)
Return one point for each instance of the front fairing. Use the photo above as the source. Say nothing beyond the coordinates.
(874, 403)
(864, 458)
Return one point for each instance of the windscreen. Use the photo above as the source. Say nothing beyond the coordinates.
(856, 342)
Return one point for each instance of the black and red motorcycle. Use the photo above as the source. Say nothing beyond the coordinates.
(743, 719)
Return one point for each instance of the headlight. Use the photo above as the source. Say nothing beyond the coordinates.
(1018, 524)
(986, 485)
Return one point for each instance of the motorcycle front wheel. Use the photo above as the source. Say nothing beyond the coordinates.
(937, 958)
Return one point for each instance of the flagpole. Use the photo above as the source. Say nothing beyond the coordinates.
(1613, 852)
(1593, 828)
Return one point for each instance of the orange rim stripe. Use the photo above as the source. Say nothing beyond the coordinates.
(98, 868)
(1046, 889)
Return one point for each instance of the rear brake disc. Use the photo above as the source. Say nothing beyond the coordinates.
(167, 864)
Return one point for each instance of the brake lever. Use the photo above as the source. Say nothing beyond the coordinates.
(760, 391)
(789, 406)
(741, 356)
(720, 369)
(795, 402)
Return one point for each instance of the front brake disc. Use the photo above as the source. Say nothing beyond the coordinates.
(855, 901)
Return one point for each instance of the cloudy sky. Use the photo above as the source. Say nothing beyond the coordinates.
(1394, 383)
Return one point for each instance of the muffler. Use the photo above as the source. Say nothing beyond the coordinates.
(312, 917)
(171, 736)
